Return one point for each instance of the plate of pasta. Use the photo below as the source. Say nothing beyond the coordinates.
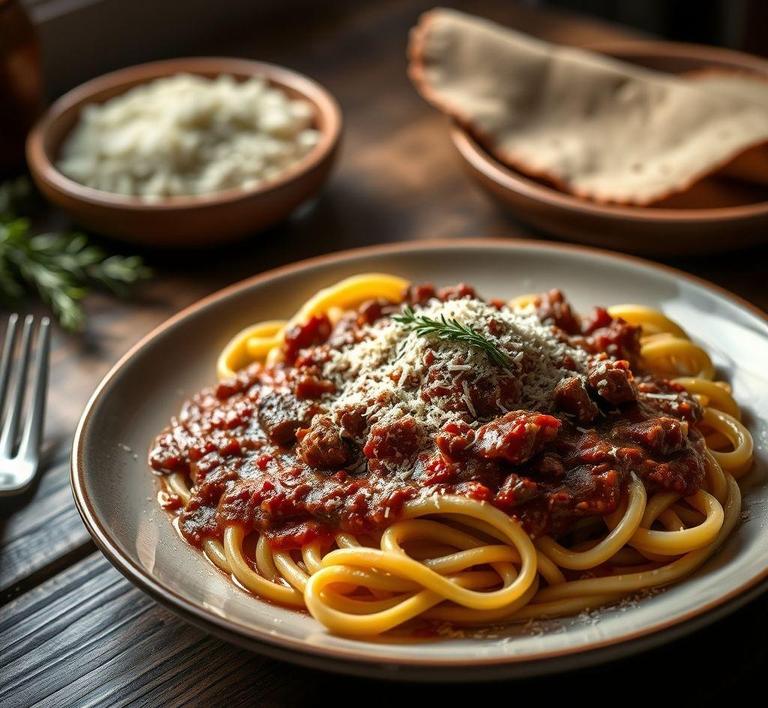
(460, 459)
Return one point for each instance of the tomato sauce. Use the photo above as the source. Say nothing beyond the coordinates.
(262, 452)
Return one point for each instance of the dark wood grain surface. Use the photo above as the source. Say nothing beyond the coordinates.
(89, 637)
(72, 630)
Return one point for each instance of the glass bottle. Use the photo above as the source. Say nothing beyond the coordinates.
(20, 83)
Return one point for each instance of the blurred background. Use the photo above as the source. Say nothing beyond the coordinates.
(82, 38)
(50, 46)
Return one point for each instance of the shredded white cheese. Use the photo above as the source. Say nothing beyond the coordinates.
(187, 135)
(388, 376)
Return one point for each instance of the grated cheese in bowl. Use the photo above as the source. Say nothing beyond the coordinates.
(189, 135)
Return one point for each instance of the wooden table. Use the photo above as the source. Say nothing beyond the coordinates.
(72, 629)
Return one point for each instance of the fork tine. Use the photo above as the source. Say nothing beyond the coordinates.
(5, 361)
(33, 428)
(11, 427)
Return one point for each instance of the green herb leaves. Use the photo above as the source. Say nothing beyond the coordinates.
(61, 267)
(451, 329)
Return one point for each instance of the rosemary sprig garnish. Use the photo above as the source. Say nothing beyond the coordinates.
(60, 266)
(451, 329)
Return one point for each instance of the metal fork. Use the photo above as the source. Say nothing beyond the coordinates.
(20, 458)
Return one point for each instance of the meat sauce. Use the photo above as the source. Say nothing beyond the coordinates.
(263, 454)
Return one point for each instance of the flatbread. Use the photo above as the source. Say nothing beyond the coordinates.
(751, 165)
(591, 125)
(739, 84)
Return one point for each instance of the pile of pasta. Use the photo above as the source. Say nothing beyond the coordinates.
(453, 559)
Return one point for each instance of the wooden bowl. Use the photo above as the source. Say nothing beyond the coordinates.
(183, 221)
(715, 215)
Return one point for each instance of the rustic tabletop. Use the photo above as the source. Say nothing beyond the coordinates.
(72, 629)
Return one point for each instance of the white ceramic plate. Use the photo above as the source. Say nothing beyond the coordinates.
(115, 491)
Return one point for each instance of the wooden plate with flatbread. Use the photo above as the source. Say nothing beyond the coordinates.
(707, 209)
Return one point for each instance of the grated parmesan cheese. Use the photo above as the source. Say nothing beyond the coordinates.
(189, 135)
(386, 373)
(662, 396)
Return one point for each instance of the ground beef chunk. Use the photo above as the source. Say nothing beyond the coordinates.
(321, 446)
(599, 318)
(198, 519)
(353, 422)
(454, 439)
(420, 294)
(372, 310)
(586, 491)
(456, 292)
(313, 386)
(281, 414)
(675, 401)
(613, 381)
(571, 396)
(393, 442)
(548, 466)
(661, 436)
(617, 338)
(553, 308)
(167, 455)
(516, 436)
(517, 489)
(315, 330)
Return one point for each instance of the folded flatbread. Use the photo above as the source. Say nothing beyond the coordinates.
(738, 84)
(591, 125)
(751, 165)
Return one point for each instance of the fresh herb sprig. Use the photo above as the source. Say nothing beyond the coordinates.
(60, 266)
(451, 329)
(16, 196)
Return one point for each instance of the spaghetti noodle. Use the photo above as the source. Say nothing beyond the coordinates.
(379, 475)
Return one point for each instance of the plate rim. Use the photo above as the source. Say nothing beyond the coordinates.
(514, 181)
(365, 663)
